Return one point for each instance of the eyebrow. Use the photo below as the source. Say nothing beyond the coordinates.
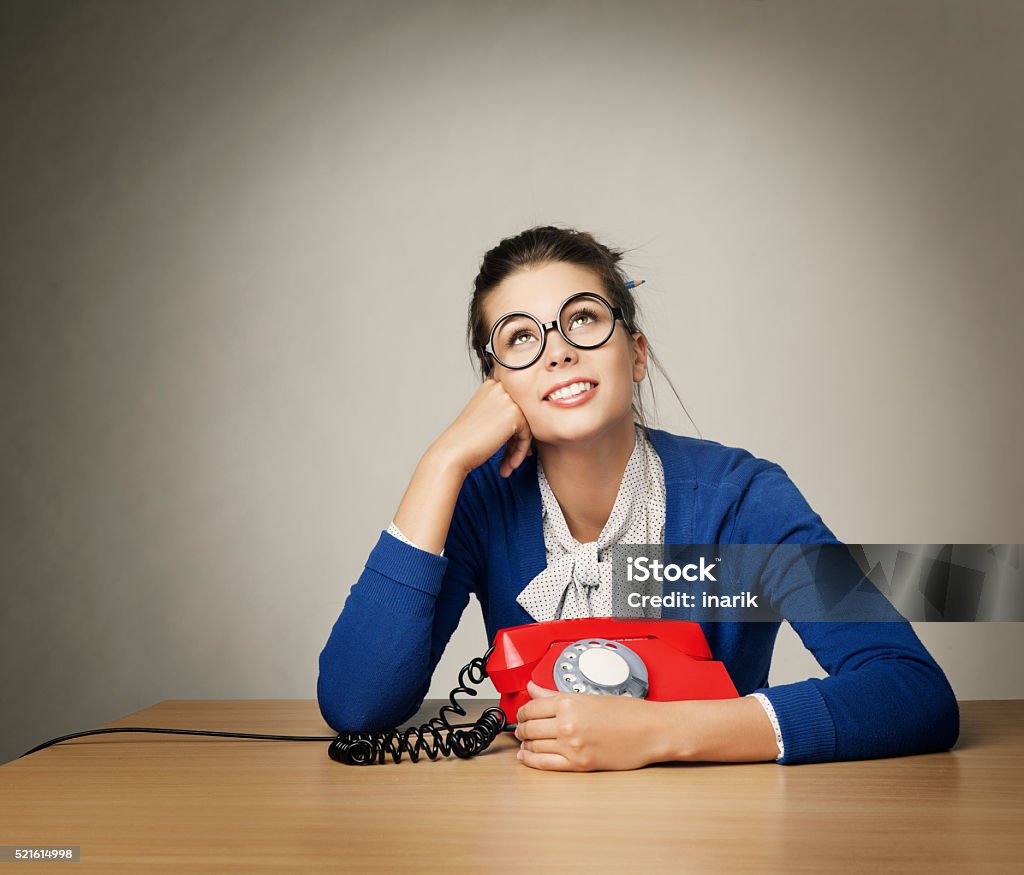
(560, 303)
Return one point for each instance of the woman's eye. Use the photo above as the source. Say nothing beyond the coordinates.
(520, 338)
(583, 317)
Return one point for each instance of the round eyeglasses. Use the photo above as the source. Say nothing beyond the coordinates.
(585, 320)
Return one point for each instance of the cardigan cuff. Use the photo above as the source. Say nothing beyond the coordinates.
(408, 566)
(805, 721)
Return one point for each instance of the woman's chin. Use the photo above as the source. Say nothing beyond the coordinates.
(569, 429)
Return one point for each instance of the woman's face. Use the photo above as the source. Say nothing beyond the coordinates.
(611, 369)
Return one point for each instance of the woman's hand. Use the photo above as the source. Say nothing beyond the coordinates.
(580, 733)
(490, 419)
(575, 732)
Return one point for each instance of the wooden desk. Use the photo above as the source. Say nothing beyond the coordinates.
(167, 803)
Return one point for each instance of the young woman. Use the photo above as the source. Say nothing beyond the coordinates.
(519, 499)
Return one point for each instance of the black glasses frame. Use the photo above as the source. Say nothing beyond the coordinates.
(555, 324)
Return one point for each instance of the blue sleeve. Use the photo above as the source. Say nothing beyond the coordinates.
(885, 695)
(396, 622)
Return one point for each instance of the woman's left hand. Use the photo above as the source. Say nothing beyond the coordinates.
(575, 732)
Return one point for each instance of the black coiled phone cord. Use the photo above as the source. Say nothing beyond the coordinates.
(437, 737)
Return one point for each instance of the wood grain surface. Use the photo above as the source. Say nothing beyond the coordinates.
(170, 803)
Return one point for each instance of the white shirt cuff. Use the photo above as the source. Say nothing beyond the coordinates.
(770, 711)
(397, 532)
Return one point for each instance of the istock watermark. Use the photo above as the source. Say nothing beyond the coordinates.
(819, 582)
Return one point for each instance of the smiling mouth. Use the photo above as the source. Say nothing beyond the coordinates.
(568, 393)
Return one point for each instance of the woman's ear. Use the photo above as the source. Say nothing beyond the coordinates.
(639, 356)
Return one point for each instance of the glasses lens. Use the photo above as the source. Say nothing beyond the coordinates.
(516, 340)
(587, 321)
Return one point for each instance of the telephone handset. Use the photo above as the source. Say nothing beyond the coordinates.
(661, 660)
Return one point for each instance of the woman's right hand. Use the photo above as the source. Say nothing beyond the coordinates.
(490, 419)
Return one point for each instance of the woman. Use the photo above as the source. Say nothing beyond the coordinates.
(516, 503)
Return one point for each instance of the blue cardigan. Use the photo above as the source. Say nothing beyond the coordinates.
(885, 695)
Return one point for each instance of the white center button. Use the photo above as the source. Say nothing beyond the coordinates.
(603, 667)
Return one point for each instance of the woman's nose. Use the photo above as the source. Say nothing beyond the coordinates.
(558, 351)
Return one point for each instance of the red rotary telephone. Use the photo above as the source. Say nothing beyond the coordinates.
(660, 660)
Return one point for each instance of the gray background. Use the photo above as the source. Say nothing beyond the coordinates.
(238, 242)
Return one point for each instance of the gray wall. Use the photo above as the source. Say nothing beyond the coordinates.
(238, 240)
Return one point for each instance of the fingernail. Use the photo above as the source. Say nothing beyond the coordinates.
(519, 755)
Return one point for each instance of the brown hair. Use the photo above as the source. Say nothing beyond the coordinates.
(541, 245)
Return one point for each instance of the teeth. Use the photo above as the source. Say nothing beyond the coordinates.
(570, 391)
